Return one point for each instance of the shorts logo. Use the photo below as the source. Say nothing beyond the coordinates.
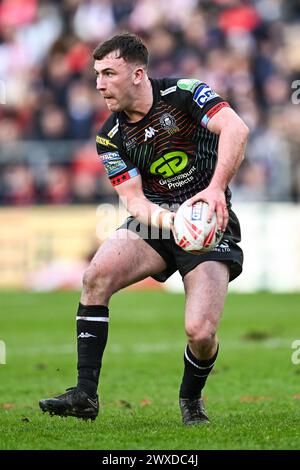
(222, 247)
(169, 164)
(105, 142)
(113, 163)
(168, 122)
(204, 94)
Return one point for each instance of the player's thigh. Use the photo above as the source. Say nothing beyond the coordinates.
(126, 258)
(206, 288)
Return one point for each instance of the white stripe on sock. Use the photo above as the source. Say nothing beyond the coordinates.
(193, 363)
(102, 319)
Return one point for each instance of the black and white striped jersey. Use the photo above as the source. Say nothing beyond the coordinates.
(171, 147)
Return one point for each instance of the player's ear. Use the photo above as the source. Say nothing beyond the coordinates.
(138, 75)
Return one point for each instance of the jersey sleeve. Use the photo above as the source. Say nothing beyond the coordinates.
(200, 100)
(112, 155)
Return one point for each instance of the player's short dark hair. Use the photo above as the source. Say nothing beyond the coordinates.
(129, 46)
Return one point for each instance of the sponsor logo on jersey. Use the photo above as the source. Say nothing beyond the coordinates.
(169, 164)
(180, 180)
(204, 94)
(105, 142)
(131, 143)
(113, 131)
(168, 122)
(149, 132)
(167, 91)
(189, 84)
(113, 163)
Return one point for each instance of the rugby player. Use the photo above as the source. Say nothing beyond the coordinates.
(167, 141)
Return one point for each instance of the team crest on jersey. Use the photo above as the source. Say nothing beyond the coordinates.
(149, 132)
(168, 122)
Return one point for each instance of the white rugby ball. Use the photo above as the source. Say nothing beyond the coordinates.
(194, 233)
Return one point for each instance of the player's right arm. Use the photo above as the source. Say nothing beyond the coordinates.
(132, 196)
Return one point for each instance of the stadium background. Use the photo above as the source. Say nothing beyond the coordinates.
(51, 181)
(57, 206)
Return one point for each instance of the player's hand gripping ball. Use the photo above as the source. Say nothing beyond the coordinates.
(194, 234)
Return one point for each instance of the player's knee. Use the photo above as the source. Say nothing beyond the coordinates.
(98, 279)
(202, 335)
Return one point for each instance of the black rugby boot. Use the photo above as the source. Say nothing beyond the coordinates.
(72, 403)
(192, 411)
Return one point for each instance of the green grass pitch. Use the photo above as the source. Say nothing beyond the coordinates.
(252, 397)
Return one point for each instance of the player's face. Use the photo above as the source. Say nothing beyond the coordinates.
(115, 81)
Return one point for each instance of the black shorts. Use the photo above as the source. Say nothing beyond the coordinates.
(227, 251)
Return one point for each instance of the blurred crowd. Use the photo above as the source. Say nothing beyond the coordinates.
(248, 51)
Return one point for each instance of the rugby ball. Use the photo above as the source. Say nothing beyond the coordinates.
(194, 234)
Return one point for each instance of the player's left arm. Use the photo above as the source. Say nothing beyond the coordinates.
(233, 134)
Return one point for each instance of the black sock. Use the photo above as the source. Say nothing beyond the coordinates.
(92, 332)
(195, 374)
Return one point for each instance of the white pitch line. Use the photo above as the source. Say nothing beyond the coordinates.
(146, 348)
